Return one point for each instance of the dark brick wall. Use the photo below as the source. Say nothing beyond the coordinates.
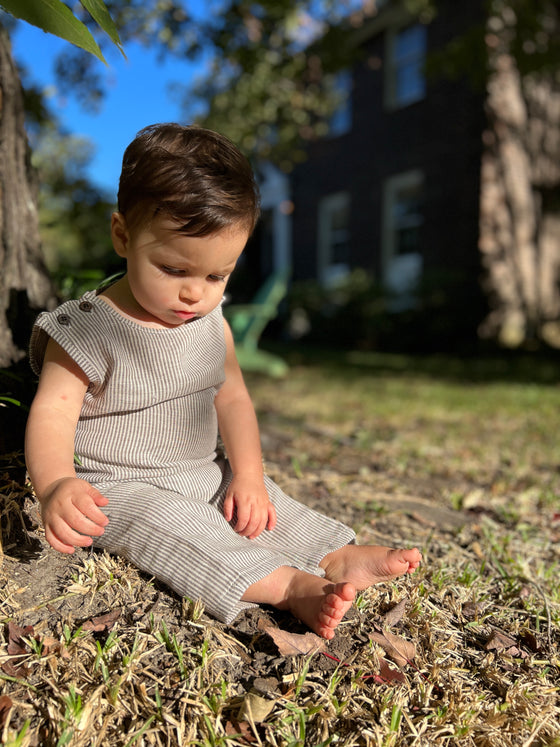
(440, 135)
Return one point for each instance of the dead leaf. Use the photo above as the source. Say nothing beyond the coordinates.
(234, 728)
(395, 614)
(388, 674)
(503, 643)
(12, 670)
(102, 623)
(51, 646)
(254, 708)
(295, 644)
(530, 640)
(16, 644)
(6, 704)
(17, 648)
(398, 649)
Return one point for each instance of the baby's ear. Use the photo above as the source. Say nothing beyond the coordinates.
(120, 234)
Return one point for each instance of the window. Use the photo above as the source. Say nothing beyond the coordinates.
(405, 81)
(341, 120)
(334, 237)
(401, 241)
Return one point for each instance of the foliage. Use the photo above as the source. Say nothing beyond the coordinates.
(55, 17)
(358, 313)
(293, 48)
(268, 83)
(287, 48)
(74, 216)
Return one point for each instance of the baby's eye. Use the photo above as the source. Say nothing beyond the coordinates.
(172, 270)
(216, 278)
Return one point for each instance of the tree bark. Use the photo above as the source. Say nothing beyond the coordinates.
(519, 208)
(25, 287)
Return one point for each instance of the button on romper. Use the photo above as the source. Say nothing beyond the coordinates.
(146, 439)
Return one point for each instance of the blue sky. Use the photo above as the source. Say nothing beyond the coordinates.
(138, 94)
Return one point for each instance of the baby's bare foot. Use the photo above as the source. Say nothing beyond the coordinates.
(320, 605)
(366, 565)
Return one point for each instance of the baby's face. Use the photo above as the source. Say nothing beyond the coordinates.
(176, 278)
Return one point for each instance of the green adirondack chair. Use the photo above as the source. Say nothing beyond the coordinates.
(248, 322)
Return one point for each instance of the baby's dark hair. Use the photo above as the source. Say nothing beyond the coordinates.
(194, 176)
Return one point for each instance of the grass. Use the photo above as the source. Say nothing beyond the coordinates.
(463, 463)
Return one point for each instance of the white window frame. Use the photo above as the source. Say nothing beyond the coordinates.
(400, 272)
(394, 99)
(329, 271)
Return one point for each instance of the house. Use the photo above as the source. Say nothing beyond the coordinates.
(394, 189)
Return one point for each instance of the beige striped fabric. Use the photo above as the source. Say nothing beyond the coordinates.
(147, 438)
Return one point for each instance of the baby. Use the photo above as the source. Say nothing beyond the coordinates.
(137, 380)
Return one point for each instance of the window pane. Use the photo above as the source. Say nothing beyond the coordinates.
(340, 234)
(411, 84)
(410, 44)
(341, 120)
(409, 54)
(407, 220)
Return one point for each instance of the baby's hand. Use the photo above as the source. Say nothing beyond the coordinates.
(71, 514)
(247, 494)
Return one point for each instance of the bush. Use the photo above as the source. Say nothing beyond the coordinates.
(442, 315)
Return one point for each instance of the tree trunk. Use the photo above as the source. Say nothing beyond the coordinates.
(25, 287)
(520, 209)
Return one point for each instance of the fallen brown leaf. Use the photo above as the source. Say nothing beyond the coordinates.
(233, 728)
(530, 640)
(294, 644)
(395, 614)
(503, 643)
(50, 646)
(254, 708)
(16, 644)
(398, 649)
(102, 623)
(388, 674)
(17, 648)
(6, 704)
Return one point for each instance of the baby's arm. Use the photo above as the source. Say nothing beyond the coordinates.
(69, 506)
(240, 433)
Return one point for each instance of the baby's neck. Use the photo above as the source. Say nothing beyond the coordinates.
(120, 297)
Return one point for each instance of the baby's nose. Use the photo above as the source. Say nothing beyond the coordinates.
(191, 290)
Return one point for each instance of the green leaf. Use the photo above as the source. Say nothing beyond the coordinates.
(56, 18)
(98, 11)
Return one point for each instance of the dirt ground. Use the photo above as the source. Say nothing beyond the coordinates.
(479, 615)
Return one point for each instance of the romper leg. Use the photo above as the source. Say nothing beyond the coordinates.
(188, 544)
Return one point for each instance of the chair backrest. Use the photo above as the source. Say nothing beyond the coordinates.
(248, 321)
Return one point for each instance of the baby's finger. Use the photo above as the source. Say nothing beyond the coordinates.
(99, 498)
(84, 525)
(74, 529)
(257, 524)
(63, 538)
(85, 506)
(54, 542)
(272, 518)
(97, 517)
(243, 518)
(228, 507)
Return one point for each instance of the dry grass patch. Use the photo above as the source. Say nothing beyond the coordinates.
(92, 652)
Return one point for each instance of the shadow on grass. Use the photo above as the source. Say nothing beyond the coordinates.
(509, 367)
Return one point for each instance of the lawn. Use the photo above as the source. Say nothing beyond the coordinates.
(460, 458)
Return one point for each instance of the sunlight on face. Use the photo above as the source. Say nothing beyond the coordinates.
(173, 278)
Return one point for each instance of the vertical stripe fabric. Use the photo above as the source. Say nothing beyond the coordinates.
(147, 439)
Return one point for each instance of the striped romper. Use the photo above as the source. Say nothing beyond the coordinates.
(147, 438)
